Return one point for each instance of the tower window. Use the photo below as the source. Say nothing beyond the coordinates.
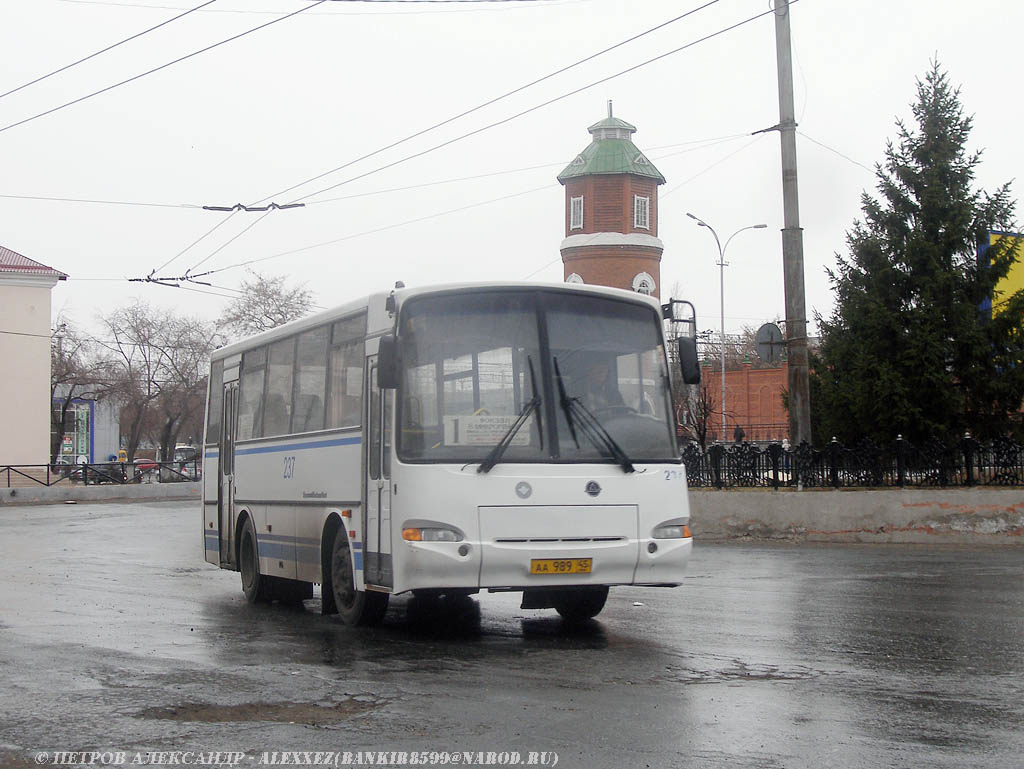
(643, 283)
(576, 213)
(641, 212)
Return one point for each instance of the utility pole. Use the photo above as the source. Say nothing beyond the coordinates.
(792, 239)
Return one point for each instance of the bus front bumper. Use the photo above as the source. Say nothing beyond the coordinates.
(521, 548)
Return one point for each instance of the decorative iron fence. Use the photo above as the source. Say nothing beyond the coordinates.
(966, 462)
(142, 471)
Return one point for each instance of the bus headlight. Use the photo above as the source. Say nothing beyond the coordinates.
(672, 530)
(431, 534)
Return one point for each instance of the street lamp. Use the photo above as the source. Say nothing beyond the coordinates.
(721, 284)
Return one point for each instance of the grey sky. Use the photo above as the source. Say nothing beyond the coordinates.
(313, 92)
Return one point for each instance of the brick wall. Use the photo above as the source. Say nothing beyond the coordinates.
(612, 265)
(608, 203)
(753, 399)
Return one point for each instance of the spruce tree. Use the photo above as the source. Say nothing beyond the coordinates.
(907, 349)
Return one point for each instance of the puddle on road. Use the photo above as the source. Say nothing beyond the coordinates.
(281, 712)
(739, 671)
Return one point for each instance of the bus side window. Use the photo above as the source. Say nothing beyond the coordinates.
(345, 396)
(215, 402)
(277, 412)
(250, 409)
(310, 380)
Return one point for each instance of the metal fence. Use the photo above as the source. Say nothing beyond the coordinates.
(966, 462)
(142, 471)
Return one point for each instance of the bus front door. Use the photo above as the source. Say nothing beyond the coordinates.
(377, 525)
(226, 477)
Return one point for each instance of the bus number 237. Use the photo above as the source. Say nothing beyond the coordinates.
(289, 467)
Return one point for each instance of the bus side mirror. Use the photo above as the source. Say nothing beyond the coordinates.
(688, 362)
(388, 367)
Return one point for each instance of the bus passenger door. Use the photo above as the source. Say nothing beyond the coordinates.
(226, 476)
(377, 526)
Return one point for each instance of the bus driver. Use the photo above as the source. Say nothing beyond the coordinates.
(599, 390)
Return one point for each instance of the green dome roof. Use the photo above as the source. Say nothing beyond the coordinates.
(611, 152)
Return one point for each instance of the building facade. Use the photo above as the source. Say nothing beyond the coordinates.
(611, 212)
(753, 402)
(25, 287)
(91, 432)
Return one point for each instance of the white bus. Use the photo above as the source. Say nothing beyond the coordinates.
(449, 440)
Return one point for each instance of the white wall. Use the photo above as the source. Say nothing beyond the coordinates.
(977, 515)
(25, 370)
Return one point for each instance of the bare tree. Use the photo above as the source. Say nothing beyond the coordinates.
(157, 365)
(265, 303)
(134, 366)
(75, 372)
(185, 344)
(740, 348)
(695, 412)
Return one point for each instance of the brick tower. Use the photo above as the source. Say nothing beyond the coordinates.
(611, 212)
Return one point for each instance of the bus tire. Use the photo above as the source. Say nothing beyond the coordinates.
(355, 607)
(254, 584)
(582, 603)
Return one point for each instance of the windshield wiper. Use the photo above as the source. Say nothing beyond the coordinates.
(590, 426)
(531, 406)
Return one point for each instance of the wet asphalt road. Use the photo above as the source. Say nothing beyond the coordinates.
(115, 635)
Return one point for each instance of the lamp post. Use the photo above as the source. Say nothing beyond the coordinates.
(721, 286)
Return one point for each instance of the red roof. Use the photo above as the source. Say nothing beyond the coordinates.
(13, 262)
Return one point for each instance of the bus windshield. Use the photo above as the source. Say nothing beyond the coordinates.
(471, 362)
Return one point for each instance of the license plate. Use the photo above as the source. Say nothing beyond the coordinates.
(560, 565)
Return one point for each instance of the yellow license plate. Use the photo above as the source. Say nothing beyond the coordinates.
(560, 565)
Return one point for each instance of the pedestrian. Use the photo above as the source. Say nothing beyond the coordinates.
(738, 434)
(785, 453)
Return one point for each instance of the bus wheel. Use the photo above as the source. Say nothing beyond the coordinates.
(355, 607)
(581, 603)
(253, 583)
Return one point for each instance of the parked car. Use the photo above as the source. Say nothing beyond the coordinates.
(188, 460)
(145, 470)
(106, 472)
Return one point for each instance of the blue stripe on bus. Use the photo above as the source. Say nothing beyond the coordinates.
(280, 546)
(300, 446)
(283, 547)
(285, 538)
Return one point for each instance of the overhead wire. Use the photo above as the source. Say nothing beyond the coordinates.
(229, 242)
(202, 237)
(104, 202)
(180, 59)
(475, 109)
(417, 221)
(837, 152)
(487, 127)
(717, 163)
(703, 144)
(376, 230)
(530, 109)
(108, 48)
(487, 103)
(147, 6)
(451, 141)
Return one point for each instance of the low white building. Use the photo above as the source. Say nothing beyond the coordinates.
(25, 358)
